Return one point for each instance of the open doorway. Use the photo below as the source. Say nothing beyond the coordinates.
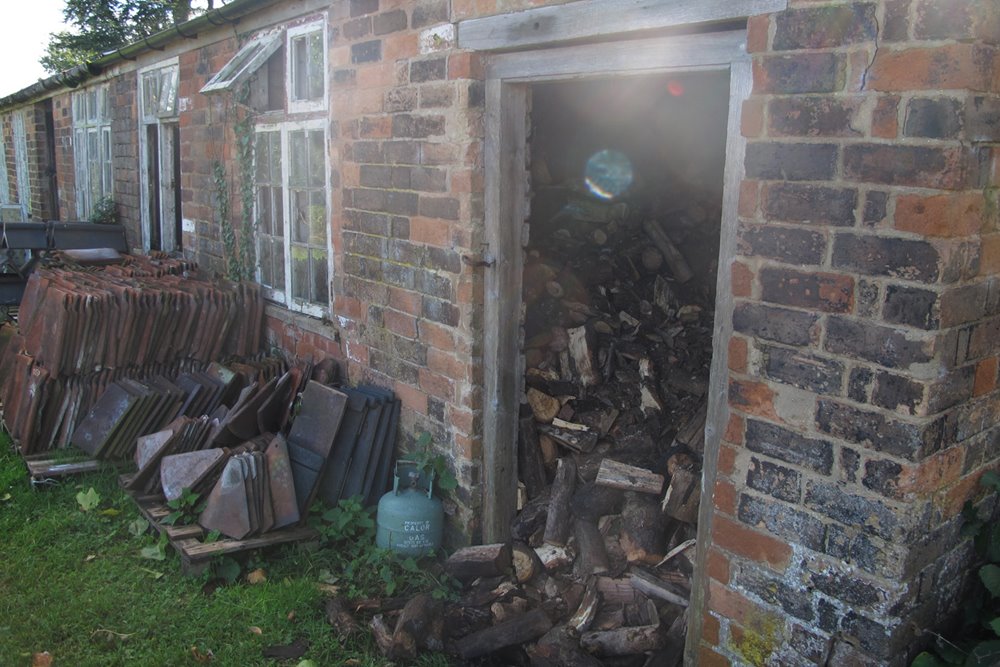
(616, 150)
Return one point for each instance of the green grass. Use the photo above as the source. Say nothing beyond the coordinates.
(73, 583)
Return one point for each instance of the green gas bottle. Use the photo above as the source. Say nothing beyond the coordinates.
(410, 519)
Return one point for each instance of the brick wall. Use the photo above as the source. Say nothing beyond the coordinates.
(125, 153)
(62, 125)
(864, 364)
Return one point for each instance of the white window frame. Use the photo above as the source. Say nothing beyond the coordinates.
(163, 117)
(21, 162)
(92, 117)
(244, 63)
(285, 297)
(296, 105)
(4, 182)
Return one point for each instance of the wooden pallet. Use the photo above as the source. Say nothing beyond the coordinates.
(44, 469)
(196, 554)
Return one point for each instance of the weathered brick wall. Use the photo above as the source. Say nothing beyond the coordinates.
(864, 366)
(39, 162)
(125, 153)
(62, 126)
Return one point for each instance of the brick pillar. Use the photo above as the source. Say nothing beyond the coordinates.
(863, 370)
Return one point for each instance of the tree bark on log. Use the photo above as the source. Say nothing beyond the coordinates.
(529, 459)
(629, 478)
(557, 524)
(592, 558)
(519, 630)
(643, 536)
(420, 625)
(671, 255)
(339, 616)
(486, 560)
(683, 496)
(625, 641)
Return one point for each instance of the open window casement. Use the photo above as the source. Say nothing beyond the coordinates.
(246, 61)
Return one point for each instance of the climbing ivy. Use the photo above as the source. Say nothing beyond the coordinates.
(222, 211)
(244, 131)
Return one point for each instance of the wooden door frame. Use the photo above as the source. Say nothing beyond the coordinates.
(508, 79)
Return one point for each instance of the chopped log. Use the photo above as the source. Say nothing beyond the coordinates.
(587, 610)
(610, 617)
(643, 535)
(683, 496)
(671, 255)
(486, 560)
(592, 558)
(549, 449)
(526, 562)
(578, 441)
(340, 617)
(629, 478)
(625, 641)
(662, 294)
(463, 619)
(543, 406)
(570, 426)
(518, 630)
(672, 653)
(420, 625)
(557, 524)
(687, 382)
(581, 352)
(530, 467)
(504, 611)
(653, 586)
(692, 434)
(679, 460)
(560, 647)
(554, 289)
(617, 590)
(651, 259)
(554, 557)
(382, 633)
(530, 519)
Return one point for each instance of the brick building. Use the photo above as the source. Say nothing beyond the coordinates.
(383, 148)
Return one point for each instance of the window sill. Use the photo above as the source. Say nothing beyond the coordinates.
(308, 323)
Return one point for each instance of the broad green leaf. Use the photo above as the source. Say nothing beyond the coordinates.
(986, 654)
(6, 497)
(111, 511)
(306, 663)
(138, 527)
(447, 482)
(88, 500)
(153, 552)
(227, 569)
(990, 576)
(995, 626)
(926, 659)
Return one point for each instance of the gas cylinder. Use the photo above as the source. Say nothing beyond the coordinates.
(410, 519)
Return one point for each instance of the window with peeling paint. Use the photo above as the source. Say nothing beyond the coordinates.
(92, 158)
(306, 77)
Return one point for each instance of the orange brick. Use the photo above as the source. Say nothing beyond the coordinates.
(400, 323)
(727, 460)
(725, 496)
(464, 421)
(405, 301)
(399, 46)
(431, 231)
(738, 354)
(758, 29)
(757, 398)
(989, 255)
(959, 214)
(947, 67)
(709, 658)
(951, 500)
(437, 385)
(742, 280)
(710, 629)
(885, 117)
(468, 448)
(466, 65)
(446, 364)
(411, 397)
(437, 336)
(348, 306)
(749, 196)
(743, 541)
(986, 377)
(734, 432)
(717, 567)
(752, 117)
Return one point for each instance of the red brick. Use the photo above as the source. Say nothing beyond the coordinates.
(729, 604)
(401, 323)
(468, 448)
(735, 428)
(756, 398)
(405, 301)
(825, 292)
(986, 377)
(752, 117)
(709, 658)
(725, 496)
(952, 500)
(945, 67)
(467, 65)
(446, 364)
(431, 231)
(411, 397)
(959, 214)
(464, 421)
(437, 385)
(989, 255)
(710, 628)
(758, 29)
(727, 458)
(738, 354)
(742, 541)
(749, 197)
(437, 336)
(742, 280)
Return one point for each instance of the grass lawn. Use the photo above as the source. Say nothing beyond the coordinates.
(73, 583)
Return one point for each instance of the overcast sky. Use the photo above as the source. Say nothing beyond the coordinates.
(24, 32)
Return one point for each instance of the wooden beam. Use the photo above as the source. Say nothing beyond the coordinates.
(599, 18)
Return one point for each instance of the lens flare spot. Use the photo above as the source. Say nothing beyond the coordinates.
(675, 88)
(608, 173)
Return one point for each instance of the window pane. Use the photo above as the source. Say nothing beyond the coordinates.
(265, 219)
(321, 283)
(315, 77)
(279, 264)
(262, 157)
(300, 216)
(275, 157)
(317, 218)
(298, 175)
(168, 92)
(150, 94)
(266, 260)
(317, 159)
(108, 175)
(300, 272)
(300, 74)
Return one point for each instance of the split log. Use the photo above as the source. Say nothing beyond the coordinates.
(653, 586)
(692, 434)
(587, 609)
(550, 451)
(519, 630)
(629, 478)
(527, 564)
(617, 590)
(578, 441)
(554, 557)
(651, 259)
(672, 653)
(543, 406)
(592, 558)
(505, 611)
(529, 458)
(683, 496)
(486, 560)
(592, 501)
(643, 535)
(625, 641)
(463, 619)
(557, 524)
(560, 647)
(420, 625)
(530, 519)
(671, 255)
(340, 617)
(581, 352)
